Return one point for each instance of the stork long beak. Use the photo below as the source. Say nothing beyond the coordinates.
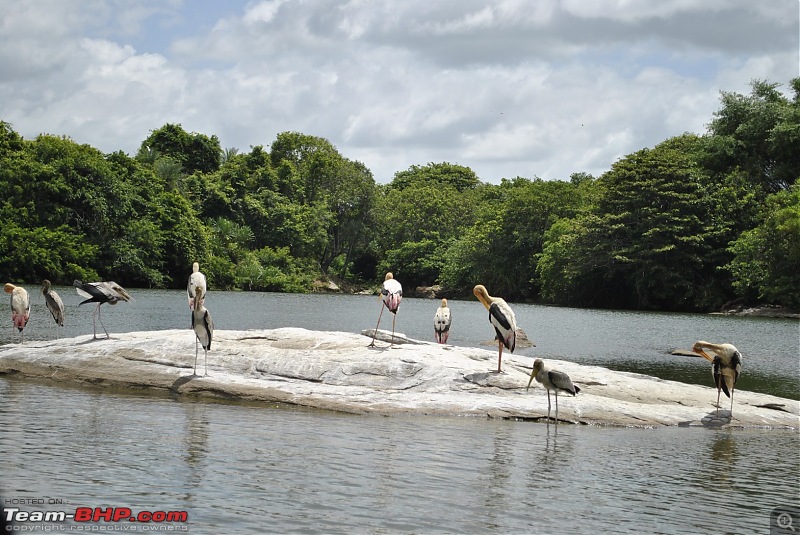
(703, 354)
(533, 373)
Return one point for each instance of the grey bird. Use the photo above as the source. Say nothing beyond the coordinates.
(551, 380)
(100, 292)
(203, 327)
(54, 304)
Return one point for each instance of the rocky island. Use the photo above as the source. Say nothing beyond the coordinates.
(338, 371)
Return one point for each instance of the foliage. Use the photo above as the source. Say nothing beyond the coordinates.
(689, 224)
(766, 261)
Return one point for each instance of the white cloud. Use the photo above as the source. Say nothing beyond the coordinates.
(508, 88)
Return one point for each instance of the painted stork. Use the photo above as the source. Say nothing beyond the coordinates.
(20, 307)
(100, 292)
(441, 323)
(726, 365)
(391, 295)
(203, 327)
(502, 319)
(196, 280)
(551, 380)
(54, 304)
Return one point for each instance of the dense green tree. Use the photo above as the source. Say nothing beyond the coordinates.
(758, 134)
(194, 152)
(650, 239)
(766, 265)
(437, 174)
(503, 247)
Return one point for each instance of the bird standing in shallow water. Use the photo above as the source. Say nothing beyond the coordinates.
(441, 323)
(502, 319)
(54, 304)
(100, 292)
(20, 307)
(391, 295)
(196, 280)
(551, 380)
(203, 327)
(726, 365)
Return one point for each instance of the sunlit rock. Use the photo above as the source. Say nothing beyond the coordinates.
(338, 371)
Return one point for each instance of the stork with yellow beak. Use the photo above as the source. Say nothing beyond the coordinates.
(726, 365)
(502, 319)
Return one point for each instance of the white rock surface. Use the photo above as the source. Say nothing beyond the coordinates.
(338, 371)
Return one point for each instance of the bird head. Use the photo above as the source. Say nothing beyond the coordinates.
(537, 366)
(482, 295)
(444, 303)
(388, 276)
(125, 296)
(725, 351)
(45, 285)
(8, 288)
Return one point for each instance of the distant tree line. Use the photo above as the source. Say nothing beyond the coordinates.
(693, 223)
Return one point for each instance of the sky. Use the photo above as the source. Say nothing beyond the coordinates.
(508, 88)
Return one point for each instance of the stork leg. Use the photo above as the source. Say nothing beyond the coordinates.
(499, 354)
(394, 318)
(94, 324)
(548, 404)
(372, 344)
(731, 402)
(195, 355)
(206, 357)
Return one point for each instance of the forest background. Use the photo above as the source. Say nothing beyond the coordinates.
(698, 222)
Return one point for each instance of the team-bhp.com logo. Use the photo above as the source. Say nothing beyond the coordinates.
(88, 518)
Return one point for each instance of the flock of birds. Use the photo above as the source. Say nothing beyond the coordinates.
(726, 360)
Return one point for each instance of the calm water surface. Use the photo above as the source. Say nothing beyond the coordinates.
(237, 468)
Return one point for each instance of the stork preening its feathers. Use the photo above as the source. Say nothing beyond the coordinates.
(203, 327)
(502, 319)
(100, 292)
(20, 307)
(391, 295)
(551, 380)
(54, 304)
(726, 365)
(441, 323)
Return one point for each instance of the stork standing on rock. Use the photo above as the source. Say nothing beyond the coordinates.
(502, 319)
(441, 323)
(551, 380)
(54, 304)
(196, 280)
(20, 307)
(391, 295)
(203, 327)
(100, 292)
(726, 365)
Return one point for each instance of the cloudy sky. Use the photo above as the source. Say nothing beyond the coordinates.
(508, 87)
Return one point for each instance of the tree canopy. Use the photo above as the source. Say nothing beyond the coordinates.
(693, 223)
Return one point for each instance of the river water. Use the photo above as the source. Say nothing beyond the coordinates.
(245, 468)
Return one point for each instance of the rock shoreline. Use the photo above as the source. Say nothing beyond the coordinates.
(338, 371)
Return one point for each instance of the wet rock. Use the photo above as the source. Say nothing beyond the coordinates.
(339, 371)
